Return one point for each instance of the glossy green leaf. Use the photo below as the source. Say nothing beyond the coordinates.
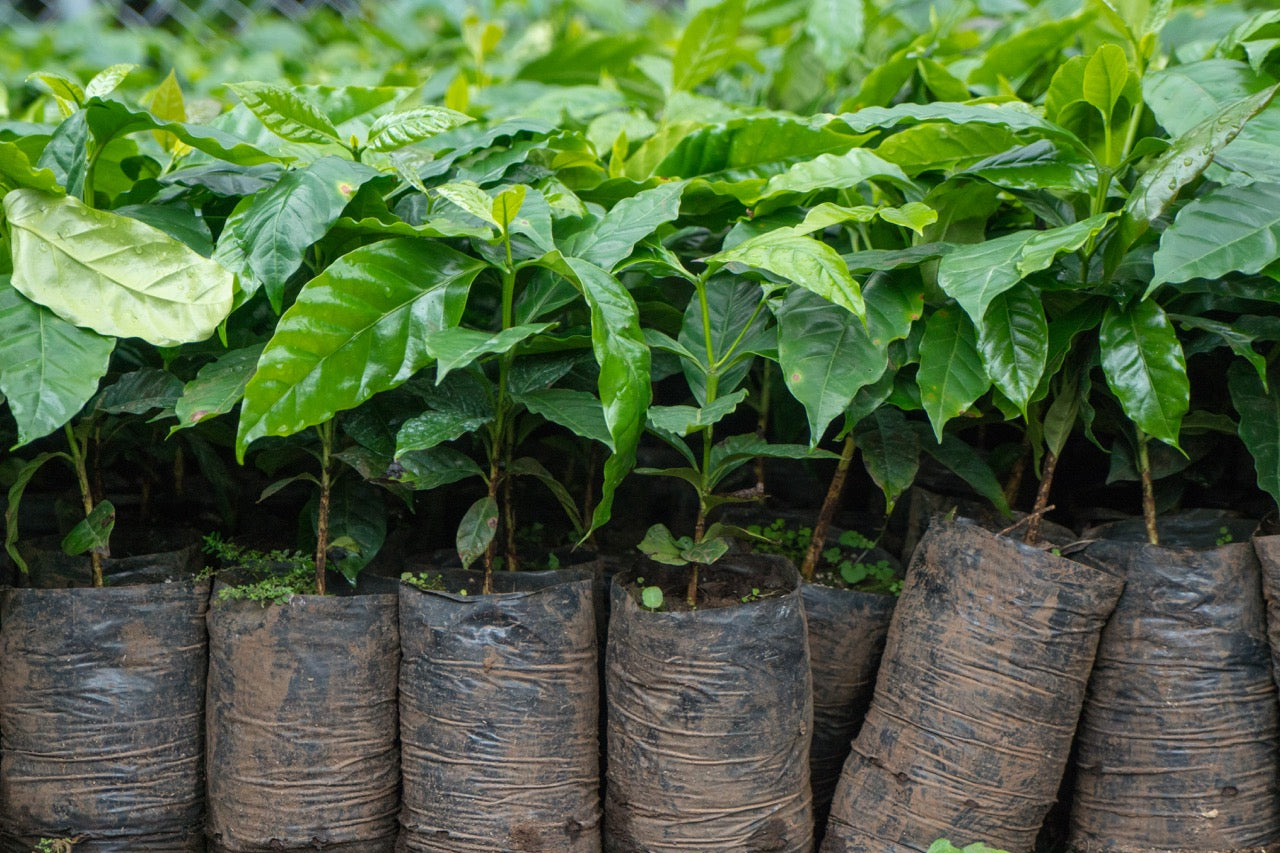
(476, 530)
(455, 346)
(738, 329)
(749, 147)
(833, 171)
(686, 420)
(113, 274)
(1240, 342)
(659, 545)
(358, 328)
(93, 533)
(1230, 229)
(1184, 161)
(139, 392)
(707, 45)
(405, 127)
(736, 450)
(890, 453)
(1018, 118)
(1259, 410)
(801, 260)
(1106, 77)
(506, 207)
(577, 411)
(218, 386)
(431, 428)
(623, 385)
(894, 304)
(1042, 165)
(68, 93)
(951, 376)
(286, 113)
(976, 274)
(108, 79)
(1145, 368)
(109, 118)
(1012, 58)
(1014, 343)
(48, 368)
(66, 153)
(424, 470)
(470, 197)
(628, 222)
(837, 28)
(946, 147)
(283, 222)
(967, 464)
(826, 356)
(357, 525)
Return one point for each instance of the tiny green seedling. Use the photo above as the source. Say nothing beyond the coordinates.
(942, 845)
(271, 577)
(1224, 536)
(754, 595)
(425, 581)
(650, 596)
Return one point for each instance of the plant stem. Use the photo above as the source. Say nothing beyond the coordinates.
(762, 423)
(326, 490)
(1038, 509)
(828, 509)
(86, 498)
(1148, 490)
(1014, 484)
(502, 434)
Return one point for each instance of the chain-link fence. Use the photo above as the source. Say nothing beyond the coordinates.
(192, 15)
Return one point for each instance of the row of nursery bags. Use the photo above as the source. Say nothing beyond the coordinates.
(443, 722)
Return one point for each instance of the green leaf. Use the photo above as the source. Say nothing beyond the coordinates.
(455, 346)
(890, 452)
(738, 329)
(111, 118)
(801, 260)
(17, 171)
(356, 329)
(506, 207)
(627, 223)
(405, 127)
(1042, 165)
(966, 463)
(93, 533)
(951, 376)
(1106, 76)
(470, 197)
(707, 551)
(113, 274)
(1020, 119)
(286, 114)
(1014, 343)
(651, 597)
(577, 411)
(67, 92)
(1230, 229)
(832, 171)
(894, 303)
(48, 368)
(837, 28)
(1184, 161)
(108, 79)
(754, 147)
(139, 391)
(1145, 368)
(707, 45)
(431, 428)
(686, 420)
(729, 455)
(660, 546)
(826, 356)
(946, 147)
(357, 525)
(1012, 58)
(1259, 411)
(217, 388)
(16, 490)
(476, 530)
(623, 385)
(1240, 342)
(423, 470)
(529, 467)
(976, 274)
(284, 221)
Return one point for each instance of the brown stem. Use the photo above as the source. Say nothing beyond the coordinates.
(1014, 483)
(828, 510)
(490, 551)
(509, 524)
(762, 423)
(1148, 491)
(691, 593)
(1041, 505)
(78, 452)
(322, 517)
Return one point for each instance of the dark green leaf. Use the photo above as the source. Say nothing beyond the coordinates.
(140, 391)
(577, 411)
(611, 240)
(1259, 411)
(529, 467)
(966, 463)
(423, 470)
(951, 376)
(93, 533)
(218, 387)
(455, 346)
(686, 420)
(476, 530)
(428, 429)
(1145, 368)
(1014, 343)
(1230, 229)
(890, 452)
(16, 490)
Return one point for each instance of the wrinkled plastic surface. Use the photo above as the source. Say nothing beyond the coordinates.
(176, 555)
(302, 724)
(1178, 746)
(846, 639)
(102, 717)
(978, 695)
(499, 715)
(710, 715)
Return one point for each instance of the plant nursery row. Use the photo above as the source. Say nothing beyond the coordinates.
(580, 425)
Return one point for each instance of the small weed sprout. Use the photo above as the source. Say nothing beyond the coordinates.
(1224, 536)
(272, 577)
(424, 581)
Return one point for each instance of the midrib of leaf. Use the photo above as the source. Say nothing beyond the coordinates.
(1148, 372)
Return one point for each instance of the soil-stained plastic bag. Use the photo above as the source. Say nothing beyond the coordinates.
(302, 718)
(977, 698)
(1178, 746)
(846, 639)
(499, 715)
(102, 717)
(710, 714)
